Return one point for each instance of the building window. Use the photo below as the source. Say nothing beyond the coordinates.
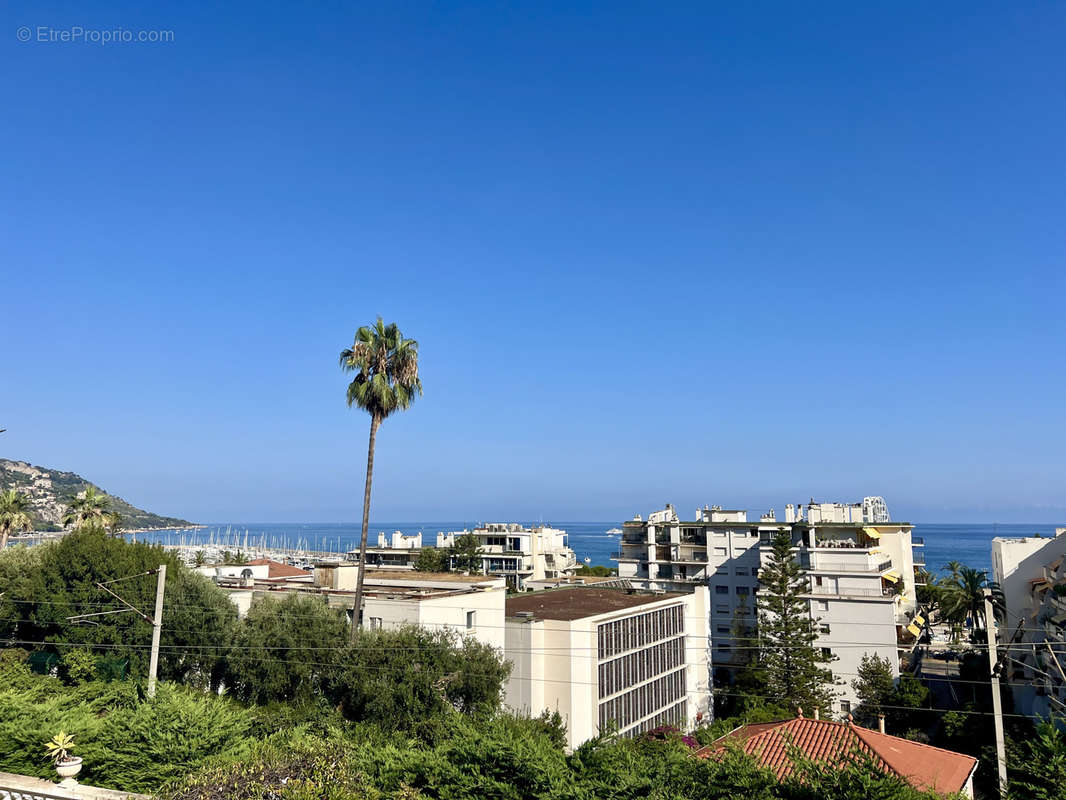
(723, 629)
(845, 706)
(375, 623)
(827, 652)
(471, 618)
(743, 590)
(719, 589)
(823, 629)
(721, 609)
(822, 605)
(725, 648)
(720, 551)
(741, 571)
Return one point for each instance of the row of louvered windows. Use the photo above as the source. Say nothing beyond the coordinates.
(629, 670)
(639, 630)
(626, 709)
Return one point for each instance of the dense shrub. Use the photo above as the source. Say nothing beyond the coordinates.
(128, 742)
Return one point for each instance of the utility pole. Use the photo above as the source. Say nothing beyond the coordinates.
(157, 627)
(155, 621)
(997, 703)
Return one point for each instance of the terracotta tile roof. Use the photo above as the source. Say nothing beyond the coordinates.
(923, 766)
(275, 569)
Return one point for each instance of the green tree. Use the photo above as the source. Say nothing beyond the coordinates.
(199, 558)
(386, 381)
(793, 667)
(909, 696)
(198, 617)
(89, 508)
(1037, 765)
(873, 686)
(431, 559)
(407, 679)
(286, 649)
(466, 554)
(962, 597)
(596, 571)
(14, 515)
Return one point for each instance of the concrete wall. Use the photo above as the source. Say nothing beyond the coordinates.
(1017, 561)
(555, 665)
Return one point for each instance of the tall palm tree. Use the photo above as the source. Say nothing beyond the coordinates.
(964, 597)
(89, 508)
(14, 515)
(386, 381)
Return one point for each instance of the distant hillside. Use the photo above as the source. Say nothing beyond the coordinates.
(50, 490)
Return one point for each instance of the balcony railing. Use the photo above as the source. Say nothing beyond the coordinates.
(918, 540)
(849, 566)
(848, 592)
(23, 787)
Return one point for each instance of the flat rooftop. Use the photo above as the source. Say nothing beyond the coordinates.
(580, 602)
(378, 574)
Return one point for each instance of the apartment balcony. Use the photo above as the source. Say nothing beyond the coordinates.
(826, 563)
(918, 541)
(871, 593)
(634, 538)
(621, 555)
(919, 559)
(692, 555)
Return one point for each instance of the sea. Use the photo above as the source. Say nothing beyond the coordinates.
(968, 543)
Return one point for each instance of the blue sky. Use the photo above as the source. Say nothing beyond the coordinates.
(740, 254)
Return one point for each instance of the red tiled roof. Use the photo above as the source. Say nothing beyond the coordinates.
(278, 570)
(923, 766)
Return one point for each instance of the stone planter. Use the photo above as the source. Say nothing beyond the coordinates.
(68, 768)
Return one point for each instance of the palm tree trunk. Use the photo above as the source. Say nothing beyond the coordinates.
(3, 541)
(357, 603)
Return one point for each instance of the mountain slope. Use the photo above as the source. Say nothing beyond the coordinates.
(50, 490)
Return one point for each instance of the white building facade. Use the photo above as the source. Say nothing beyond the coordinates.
(465, 605)
(508, 550)
(1031, 572)
(861, 576)
(609, 659)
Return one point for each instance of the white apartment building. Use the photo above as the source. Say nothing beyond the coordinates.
(861, 572)
(1031, 572)
(519, 554)
(508, 550)
(469, 605)
(609, 657)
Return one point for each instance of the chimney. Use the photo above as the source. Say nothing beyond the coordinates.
(881, 722)
(799, 712)
(817, 713)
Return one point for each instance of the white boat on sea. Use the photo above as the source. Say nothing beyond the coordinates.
(614, 532)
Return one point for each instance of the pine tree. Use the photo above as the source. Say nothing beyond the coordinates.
(873, 686)
(792, 666)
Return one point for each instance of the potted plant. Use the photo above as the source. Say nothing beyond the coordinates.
(59, 753)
